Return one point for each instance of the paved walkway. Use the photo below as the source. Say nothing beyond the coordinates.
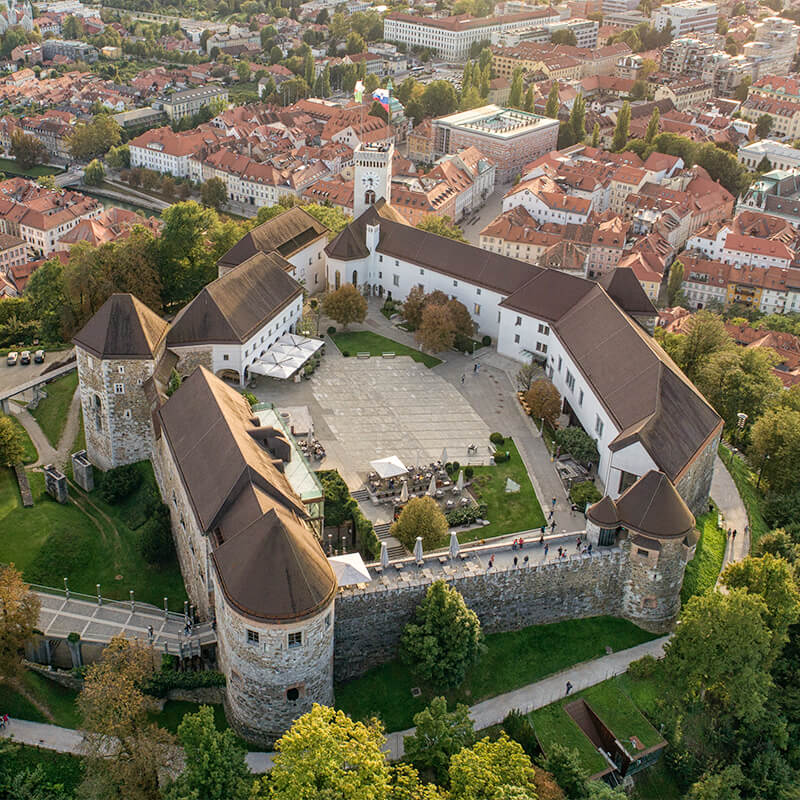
(47, 453)
(725, 494)
(489, 712)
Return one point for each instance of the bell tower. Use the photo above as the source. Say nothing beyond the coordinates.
(372, 178)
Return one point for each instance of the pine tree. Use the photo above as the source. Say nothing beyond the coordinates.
(515, 96)
(652, 126)
(553, 103)
(596, 135)
(529, 100)
(622, 129)
(577, 118)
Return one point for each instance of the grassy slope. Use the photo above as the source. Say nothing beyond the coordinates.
(703, 570)
(51, 413)
(58, 767)
(50, 541)
(366, 342)
(31, 453)
(10, 167)
(508, 513)
(510, 660)
(752, 498)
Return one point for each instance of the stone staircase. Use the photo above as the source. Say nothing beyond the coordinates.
(360, 495)
(396, 550)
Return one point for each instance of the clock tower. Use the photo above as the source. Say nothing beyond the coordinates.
(372, 179)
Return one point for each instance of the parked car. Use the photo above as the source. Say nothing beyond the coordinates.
(38, 357)
(12, 359)
(25, 357)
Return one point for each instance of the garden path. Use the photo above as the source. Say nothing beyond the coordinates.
(734, 513)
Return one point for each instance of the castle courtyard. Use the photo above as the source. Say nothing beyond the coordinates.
(364, 409)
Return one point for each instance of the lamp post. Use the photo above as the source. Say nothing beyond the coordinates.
(741, 421)
(66, 588)
(761, 470)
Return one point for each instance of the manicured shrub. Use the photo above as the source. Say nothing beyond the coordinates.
(486, 341)
(578, 444)
(331, 330)
(501, 456)
(161, 682)
(584, 494)
(119, 483)
(468, 473)
(497, 438)
(346, 353)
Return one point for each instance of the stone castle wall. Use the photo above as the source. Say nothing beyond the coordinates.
(369, 623)
(694, 485)
(189, 358)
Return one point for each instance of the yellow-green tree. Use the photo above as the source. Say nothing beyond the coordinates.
(492, 771)
(421, 517)
(19, 614)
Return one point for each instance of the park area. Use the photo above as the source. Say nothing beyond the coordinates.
(10, 167)
(52, 411)
(350, 343)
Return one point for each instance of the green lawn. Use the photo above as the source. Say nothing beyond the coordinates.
(51, 413)
(352, 342)
(30, 454)
(51, 541)
(10, 167)
(703, 570)
(175, 710)
(58, 699)
(507, 513)
(59, 768)
(752, 498)
(510, 660)
(553, 725)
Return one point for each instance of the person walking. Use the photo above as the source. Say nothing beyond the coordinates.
(546, 549)
(554, 502)
(569, 687)
(543, 527)
(475, 367)
(553, 526)
(463, 377)
(541, 538)
(515, 561)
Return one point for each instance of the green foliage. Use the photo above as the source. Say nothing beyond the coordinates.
(497, 438)
(492, 771)
(339, 504)
(621, 130)
(160, 683)
(439, 98)
(439, 735)
(174, 383)
(564, 36)
(584, 494)
(465, 516)
(12, 444)
(214, 193)
(577, 117)
(443, 640)
(716, 785)
(675, 294)
(553, 102)
(94, 174)
(93, 139)
(120, 482)
(763, 126)
(775, 448)
(119, 157)
(345, 305)
(518, 727)
(565, 766)
(578, 444)
(421, 517)
(441, 226)
(27, 149)
(643, 667)
(156, 544)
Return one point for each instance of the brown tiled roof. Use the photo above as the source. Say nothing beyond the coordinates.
(653, 507)
(123, 327)
(287, 233)
(232, 308)
(624, 288)
(269, 563)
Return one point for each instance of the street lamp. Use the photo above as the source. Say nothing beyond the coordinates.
(761, 470)
(741, 418)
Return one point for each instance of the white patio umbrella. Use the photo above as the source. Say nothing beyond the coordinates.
(460, 481)
(432, 487)
(404, 492)
(418, 549)
(444, 456)
(453, 544)
(384, 555)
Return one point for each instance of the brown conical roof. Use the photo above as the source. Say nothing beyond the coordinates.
(603, 513)
(653, 507)
(123, 327)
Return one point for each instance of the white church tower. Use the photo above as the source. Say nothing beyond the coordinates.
(372, 176)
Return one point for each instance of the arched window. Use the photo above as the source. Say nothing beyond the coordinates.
(98, 420)
(337, 279)
(369, 197)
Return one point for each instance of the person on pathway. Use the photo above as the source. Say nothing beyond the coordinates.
(569, 687)
(541, 538)
(578, 544)
(546, 548)
(589, 549)
(463, 377)
(550, 515)
(543, 527)
(554, 502)
(478, 366)
(475, 367)
(733, 535)
(553, 526)
(515, 561)
(559, 552)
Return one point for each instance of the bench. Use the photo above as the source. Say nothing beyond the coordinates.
(362, 355)
(388, 355)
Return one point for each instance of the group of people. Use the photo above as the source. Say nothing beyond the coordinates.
(4, 721)
(312, 448)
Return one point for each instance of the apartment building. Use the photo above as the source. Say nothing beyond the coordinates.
(689, 16)
(187, 103)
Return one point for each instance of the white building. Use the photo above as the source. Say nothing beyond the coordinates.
(688, 16)
(780, 156)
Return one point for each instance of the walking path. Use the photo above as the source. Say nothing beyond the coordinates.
(47, 453)
(726, 496)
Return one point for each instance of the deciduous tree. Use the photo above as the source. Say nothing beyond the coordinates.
(93, 139)
(653, 126)
(675, 295)
(444, 638)
(441, 226)
(421, 517)
(12, 447)
(94, 174)
(553, 103)
(515, 94)
(439, 98)
(439, 735)
(492, 770)
(437, 331)
(775, 447)
(544, 400)
(705, 335)
(214, 193)
(27, 150)
(621, 130)
(413, 307)
(459, 314)
(345, 305)
(763, 126)
(577, 118)
(19, 615)
(565, 766)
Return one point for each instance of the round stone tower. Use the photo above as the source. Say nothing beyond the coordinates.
(656, 530)
(274, 603)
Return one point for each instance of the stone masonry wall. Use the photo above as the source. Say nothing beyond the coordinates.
(695, 484)
(369, 623)
(95, 419)
(189, 358)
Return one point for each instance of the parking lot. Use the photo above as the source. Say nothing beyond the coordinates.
(13, 376)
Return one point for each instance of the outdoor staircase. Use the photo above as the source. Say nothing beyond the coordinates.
(396, 550)
(360, 495)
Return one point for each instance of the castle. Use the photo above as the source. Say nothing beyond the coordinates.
(246, 524)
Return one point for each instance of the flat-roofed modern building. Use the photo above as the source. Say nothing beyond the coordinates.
(509, 137)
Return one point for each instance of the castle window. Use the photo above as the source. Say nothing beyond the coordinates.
(89, 362)
(598, 425)
(477, 291)
(121, 370)
(580, 397)
(252, 637)
(477, 310)
(395, 280)
(328, 620)
(516, 338)
(119, 388)
(296, 639)
(293, 694)
(127, 413)
(174, 499)
(225, 357)
(570, 381)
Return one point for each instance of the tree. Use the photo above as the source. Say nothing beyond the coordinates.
(743, 89)
(565, 766)
(406, 785)
(653, 126)
(564, 36)
(327, 754)
(421, 517)
(215, 766)
(355, 43)
(439, 735)
(553, 102)
(332, 217)
(345, 305)
(492, 771)
(773, 580)
(459, 314)
(763, 165)
(441, 226)
(94, 174)
(515, 94)
(530, 101)
(470, 99)
(275, 55)
(675, 282)
(775, 447)
(27, 149)
(705, 335)
(125, 753)
(639, 90)
(437, 330)
(444, 638)
(577, 118)
(716, 662)
(413, 307)
(578, 444)
(19, 616)
(622, 128)
(214, 193)
(596, 135)
(93, 139)
(763, 126)
(544, 400)
(12, 445)
(439, 98)
(716, 785)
